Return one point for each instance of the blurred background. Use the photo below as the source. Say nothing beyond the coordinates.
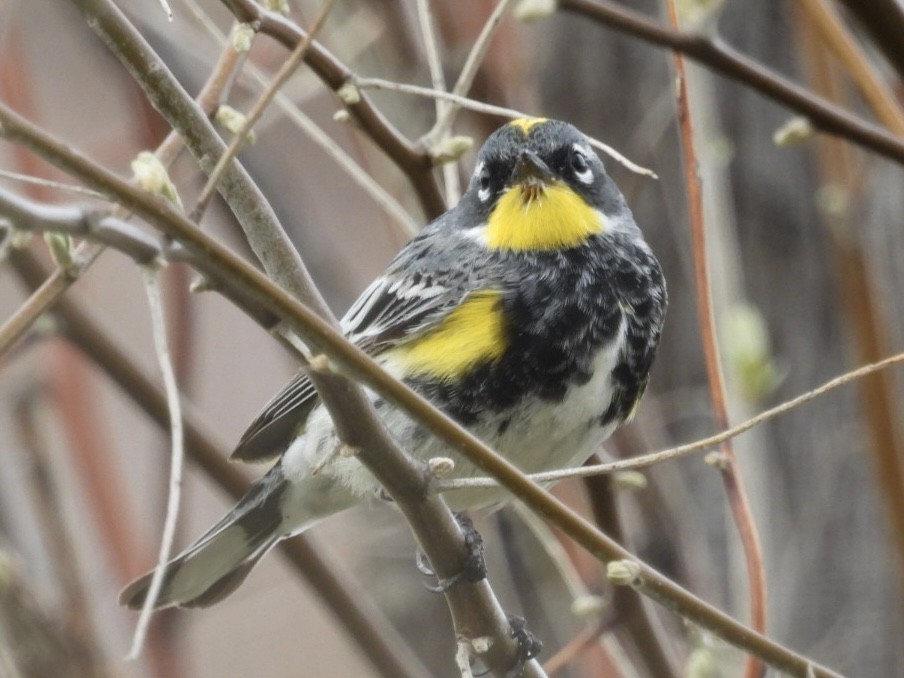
(807, 252)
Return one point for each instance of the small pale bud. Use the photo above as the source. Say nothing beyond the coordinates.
(833, 200)
(320, 363)
(440, 466)
(532, 10)
(348, 450)
(151, 176)
(588, 607)
(200, 284)
(60, 246)
(482, 644)
(717, 460)
(702, 664)
(748, 353)
(622, 572)
(19, 240)
(629, 480)
(349, 94)
(795, 132)
(234, 122)
(281, 6)
(241, 38)
(451, 149)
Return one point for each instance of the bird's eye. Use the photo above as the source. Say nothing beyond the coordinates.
(484, 184)
(582, 171)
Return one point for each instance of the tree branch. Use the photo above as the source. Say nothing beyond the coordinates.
(351, 606)
(884, 19)
(412, 159)
(720, 57)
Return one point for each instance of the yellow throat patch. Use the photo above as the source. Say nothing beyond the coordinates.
(548, 218)
(471, 335)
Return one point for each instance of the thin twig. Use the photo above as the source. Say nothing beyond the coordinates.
(468, 72)
(884, 19)
(861, 307)
(177, 456)
(480, 107)
(241, 136)
(52, 518)
(315, 133)
(574, 649)
(49, 183)
(252, 210)
(839, 40)
(354, 610)
(729, 471)
(716, 54)
(87, 253)
(702, 445)
(412, 159)
(438, 80)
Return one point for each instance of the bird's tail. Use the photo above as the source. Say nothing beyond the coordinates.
(216, 564)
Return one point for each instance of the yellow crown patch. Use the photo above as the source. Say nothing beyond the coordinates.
(525, 124)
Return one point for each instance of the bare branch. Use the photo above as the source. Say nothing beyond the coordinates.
(479, 106)
(177, 456)
(284, 73)
(722, 58)
(413, 160)
(438, 79)
(732, 480)
(709, 443)
(351, 606)
(469, 71)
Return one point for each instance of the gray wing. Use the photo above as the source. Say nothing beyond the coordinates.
(389, 311)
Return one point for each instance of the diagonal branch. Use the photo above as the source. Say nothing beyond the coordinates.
(412, 159)
(352, 607)
(732, 480)
(722, 58)
(884, 19)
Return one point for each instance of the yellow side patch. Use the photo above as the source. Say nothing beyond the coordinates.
(524, 124)
(557, 217)
(472, 334)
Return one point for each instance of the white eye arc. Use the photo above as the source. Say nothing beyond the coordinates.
(582, 170)
(485, 188)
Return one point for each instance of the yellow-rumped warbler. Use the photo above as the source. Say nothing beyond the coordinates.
(530, 313)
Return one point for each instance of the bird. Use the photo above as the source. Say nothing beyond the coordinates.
(530, 313)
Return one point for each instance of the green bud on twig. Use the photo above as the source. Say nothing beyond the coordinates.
(241, 38)
(234, 122)
(623, 572)
(588, 607)
(629, 480)
(451, 149)
(532, 10)
(349, 94)
(795, 132)
(281, 6)
(60, 246)
(151, 176)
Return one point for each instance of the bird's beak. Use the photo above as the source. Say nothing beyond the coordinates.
(532, 175)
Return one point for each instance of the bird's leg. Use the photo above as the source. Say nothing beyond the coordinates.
(528, 644)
